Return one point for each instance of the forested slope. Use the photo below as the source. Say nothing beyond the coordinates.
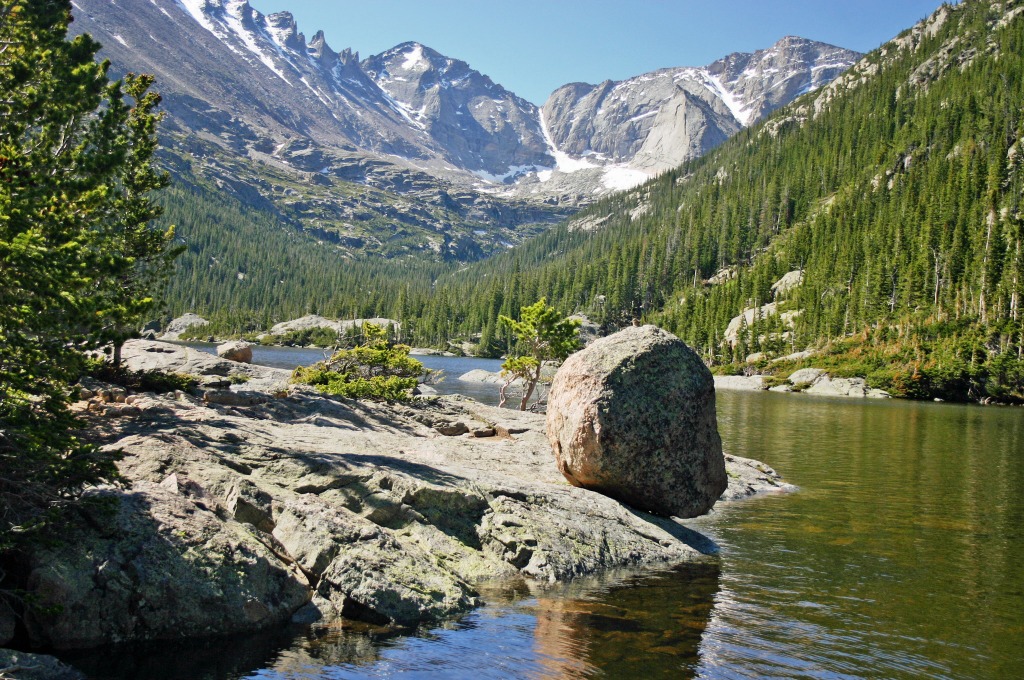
(248, 268)
(896, 190)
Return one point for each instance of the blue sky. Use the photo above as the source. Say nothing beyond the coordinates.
(534, 46)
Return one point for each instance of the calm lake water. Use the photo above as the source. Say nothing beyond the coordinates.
(902, 556)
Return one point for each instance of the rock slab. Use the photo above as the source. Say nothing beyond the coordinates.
(632, 416)
(236, 351)
(291, 505)
(26, 666)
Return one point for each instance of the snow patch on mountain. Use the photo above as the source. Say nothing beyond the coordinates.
(195, 9)
(739, 109)
(231, 22)
(622, 177)
(513, 171)
(414, 59)
(563, 161)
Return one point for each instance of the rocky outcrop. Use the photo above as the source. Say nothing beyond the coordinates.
(480, 125)
(790, 281)
(236, 351)
(844, 387)
(163, 565)
(658, 120)
(26, 666)
(480, 375)
(739, 324)
(147, 355)
(633, 416)
(752, 383)
(818, 381)
(181, 324)
(805, 376)
(806, 380)
(311, 321)
(240, 516)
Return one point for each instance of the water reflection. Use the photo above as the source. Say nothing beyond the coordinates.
(640, 626)
(621, 624)
(617, 625)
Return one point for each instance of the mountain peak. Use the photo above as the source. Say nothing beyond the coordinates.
(414, 57)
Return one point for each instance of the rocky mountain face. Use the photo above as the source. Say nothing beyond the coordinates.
(410, 146)
(620, 132)
(481, 126)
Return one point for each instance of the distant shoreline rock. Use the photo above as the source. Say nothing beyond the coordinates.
(807, 381)
(339, 326)
(181, 324)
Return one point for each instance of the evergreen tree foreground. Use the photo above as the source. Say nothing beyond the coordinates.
(77, 254)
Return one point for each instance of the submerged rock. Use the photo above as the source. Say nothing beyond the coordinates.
(749, 477)
(633, 416)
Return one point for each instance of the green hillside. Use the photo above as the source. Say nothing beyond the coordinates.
(897, 191)
(247, 268)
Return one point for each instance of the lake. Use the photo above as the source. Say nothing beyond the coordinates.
(901, 556)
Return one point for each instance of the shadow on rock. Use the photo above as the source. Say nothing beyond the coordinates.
(154, 564)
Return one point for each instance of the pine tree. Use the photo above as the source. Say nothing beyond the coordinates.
(76, 251)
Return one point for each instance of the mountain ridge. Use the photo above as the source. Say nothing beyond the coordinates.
(352, 143)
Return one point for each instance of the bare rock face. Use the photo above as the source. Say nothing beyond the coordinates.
(236, 351)
(181, 324)
(633, 417)
(236, 518)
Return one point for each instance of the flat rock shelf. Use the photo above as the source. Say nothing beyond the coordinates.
(280, 504)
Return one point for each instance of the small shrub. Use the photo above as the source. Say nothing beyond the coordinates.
(376, 370)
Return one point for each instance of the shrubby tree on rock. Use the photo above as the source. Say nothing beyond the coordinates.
(78, 259)
(542, 334)
(377, 370)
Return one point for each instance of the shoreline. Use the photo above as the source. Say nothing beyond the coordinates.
(264, 503)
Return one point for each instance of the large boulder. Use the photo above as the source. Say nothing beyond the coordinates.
(236, 350)
(633, 417)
